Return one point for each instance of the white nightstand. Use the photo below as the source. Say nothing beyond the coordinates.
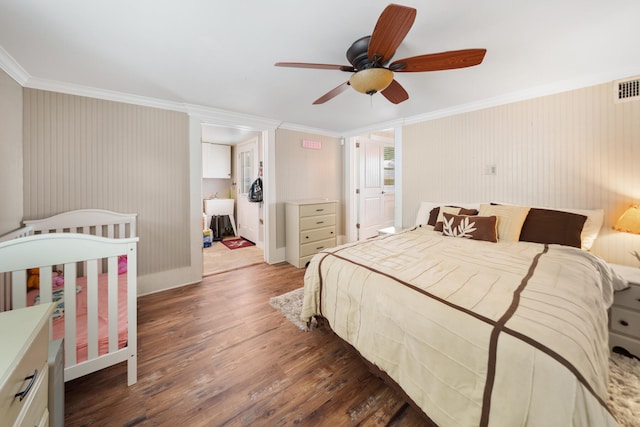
(624, 316)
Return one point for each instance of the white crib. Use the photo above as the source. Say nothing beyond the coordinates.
(99, 325)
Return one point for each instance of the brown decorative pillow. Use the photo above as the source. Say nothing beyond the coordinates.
(435, 217)
(553, 227)
(471, 227)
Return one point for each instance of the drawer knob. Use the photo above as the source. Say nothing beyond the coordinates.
(22, 394)
(624, 323)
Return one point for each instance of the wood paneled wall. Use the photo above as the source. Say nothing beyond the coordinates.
(89, 153)
(576, 149)
(304, 173)
(10, 153)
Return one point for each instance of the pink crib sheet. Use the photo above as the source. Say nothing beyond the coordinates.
(81, 316)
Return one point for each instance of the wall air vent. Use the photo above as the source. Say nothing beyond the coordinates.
(626, 90)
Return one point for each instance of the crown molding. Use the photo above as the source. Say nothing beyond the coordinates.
(107, 95)
(305, 129)
(12, 68)
(391, 124)
(523, 95)
(249, 122)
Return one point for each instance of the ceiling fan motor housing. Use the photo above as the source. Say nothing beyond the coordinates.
(357, 54)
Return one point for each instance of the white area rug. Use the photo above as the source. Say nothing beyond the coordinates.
(290, 304)
(624, 372)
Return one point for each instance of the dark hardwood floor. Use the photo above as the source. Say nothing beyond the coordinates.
(217, 354)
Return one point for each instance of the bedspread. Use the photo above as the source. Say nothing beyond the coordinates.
(475, 333)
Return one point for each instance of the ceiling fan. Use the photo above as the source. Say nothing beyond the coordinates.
(370, 55)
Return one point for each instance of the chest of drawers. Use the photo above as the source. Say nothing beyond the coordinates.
(24, 334)
(310, 228)
(624, 316)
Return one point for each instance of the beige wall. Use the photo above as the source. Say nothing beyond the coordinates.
(576, 149)
(303, 173)
(11, 205)
(88, 153)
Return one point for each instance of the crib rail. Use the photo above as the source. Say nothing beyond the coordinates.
(111, 224)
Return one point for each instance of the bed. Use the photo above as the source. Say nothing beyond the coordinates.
(474, 326)
(89, 253)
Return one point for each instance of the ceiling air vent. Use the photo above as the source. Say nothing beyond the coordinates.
(627, 89)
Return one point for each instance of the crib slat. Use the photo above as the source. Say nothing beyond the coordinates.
(70, 313)
(92, 308)
(110, 232)
(46, 288)
(19, 289)
(112, 284)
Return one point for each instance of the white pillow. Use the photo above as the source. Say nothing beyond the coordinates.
(425, 208)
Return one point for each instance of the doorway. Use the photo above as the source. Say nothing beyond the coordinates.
(231, 255)
(376, 189)
(248, 170)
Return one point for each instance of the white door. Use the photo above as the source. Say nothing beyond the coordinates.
(248, 218)
(377, 197)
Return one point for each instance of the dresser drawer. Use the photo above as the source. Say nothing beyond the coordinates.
(629, 297)
(35, 358)
(625, 321)
(317, 209)
(312, 222)
(629, 344)
(35, 404)
(317, 234)
(315, 247)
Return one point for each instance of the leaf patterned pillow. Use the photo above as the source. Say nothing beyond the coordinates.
(440, 210)
(470, 227)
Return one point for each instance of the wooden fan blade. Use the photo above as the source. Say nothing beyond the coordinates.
(395, 93)
(332, 93)
(392, 27)
(439, 61)
(317, 66)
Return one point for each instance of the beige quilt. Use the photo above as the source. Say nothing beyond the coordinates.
(476, 333)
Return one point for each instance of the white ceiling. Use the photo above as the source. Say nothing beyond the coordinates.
(220, 54)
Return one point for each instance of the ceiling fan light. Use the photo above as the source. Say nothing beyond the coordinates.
(371, 80)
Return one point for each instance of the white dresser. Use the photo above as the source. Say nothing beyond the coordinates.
(24, 335)
(624, 317)
(310, 228)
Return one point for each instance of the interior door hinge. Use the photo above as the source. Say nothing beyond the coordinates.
(357, 191)
(358, 226)
(357, 145)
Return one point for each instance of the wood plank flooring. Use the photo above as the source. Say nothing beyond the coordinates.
(217, 354)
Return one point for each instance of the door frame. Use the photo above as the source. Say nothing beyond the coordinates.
(197, 117)
(352, 172)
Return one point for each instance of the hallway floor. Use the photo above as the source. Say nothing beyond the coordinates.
(218, 258)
